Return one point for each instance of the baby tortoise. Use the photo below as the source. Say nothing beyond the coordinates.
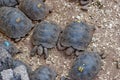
(75, 38)
(34, 9)
(12, 49)
(45, 36)
(86, 67)
(9, 3)
(14, 23)
(43, 73)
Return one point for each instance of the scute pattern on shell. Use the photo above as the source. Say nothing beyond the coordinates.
(46, 34)
(90, 62)
(77, 35)
(14, 23)
(34, 9)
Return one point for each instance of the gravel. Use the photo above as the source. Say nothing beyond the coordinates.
(106, 38)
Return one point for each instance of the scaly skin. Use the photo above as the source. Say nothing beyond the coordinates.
(45, 36)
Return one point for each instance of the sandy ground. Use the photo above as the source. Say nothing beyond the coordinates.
(106, 39)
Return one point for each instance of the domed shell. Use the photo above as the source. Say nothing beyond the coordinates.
(45, 34)
(14, 23)
(77, 35)
(86, 66)
(34, 9)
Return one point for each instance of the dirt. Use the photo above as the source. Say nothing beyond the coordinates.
(103, 14)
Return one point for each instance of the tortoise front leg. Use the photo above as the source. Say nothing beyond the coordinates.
(40, 50)
(46, 53)
(69, 51)
(33, 51)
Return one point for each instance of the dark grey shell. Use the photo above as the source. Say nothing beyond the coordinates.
(9, 3)
(34, 9)
(5, 59)
(45, 34)
(77, 35)
(91, 64)
(12, 49)
(43, 73)
(14, 23)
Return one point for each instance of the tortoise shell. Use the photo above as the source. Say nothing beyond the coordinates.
(86, 66)
(77, 35)
(34, 9)
(14, 23)
(45, 34)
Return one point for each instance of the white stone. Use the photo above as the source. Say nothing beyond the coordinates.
(7, 74)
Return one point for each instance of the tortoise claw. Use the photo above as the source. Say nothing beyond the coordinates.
(46, 53)
(40, 50)
(33, 51)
